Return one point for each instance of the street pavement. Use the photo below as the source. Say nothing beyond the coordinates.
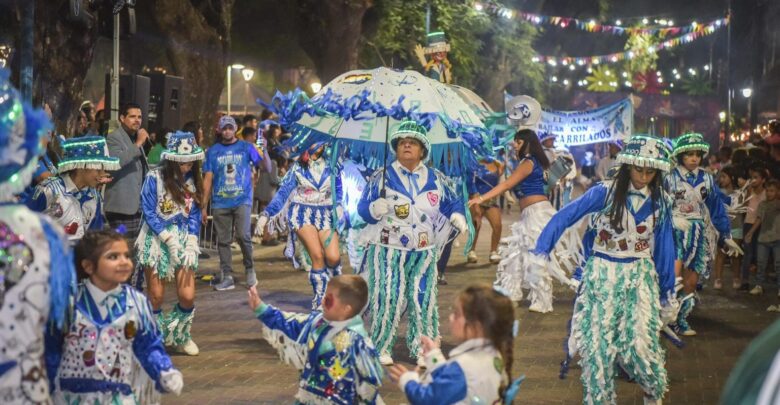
(236, 366)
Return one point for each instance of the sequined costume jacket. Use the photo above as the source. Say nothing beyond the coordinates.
(695, 194)
(96, 358)
(423, 202)
(36, 269)
(338, 362)
(161, 212)
(647, 232)
(76, 210)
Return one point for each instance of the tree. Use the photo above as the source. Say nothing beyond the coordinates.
(198, 39)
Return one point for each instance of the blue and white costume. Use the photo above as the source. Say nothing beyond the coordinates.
(516, 271)
(36, 264)
(110, 334)
(338, 363)
(403, 247)
(628, 276)
(305, 197)
(472, 375)
(482, 181)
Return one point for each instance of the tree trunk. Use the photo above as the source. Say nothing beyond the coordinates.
(492, 86)
(198, 43)
(333, 34)
(63, 51)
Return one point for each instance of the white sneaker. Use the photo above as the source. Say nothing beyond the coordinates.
(757, 290)
(189, 348)
(471, 257)
(688, 332)
(536, 307)
(385, 360)
(494, 257)
(772, 308)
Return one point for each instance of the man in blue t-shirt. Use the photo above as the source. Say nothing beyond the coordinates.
(227, 182)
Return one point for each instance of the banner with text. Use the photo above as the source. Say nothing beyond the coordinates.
(604, 124)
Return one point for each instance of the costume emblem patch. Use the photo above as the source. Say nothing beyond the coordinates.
(641, 245)
(433, 198)
(422, 239)
(404, 240)
(402, 211)
(384, 237)
(167, 206)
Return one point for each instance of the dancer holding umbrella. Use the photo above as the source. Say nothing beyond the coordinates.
(410, 209)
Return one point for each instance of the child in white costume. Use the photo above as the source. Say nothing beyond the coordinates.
(36, 265)
(627, 290)
(479, 368)
(167, 244)
(112, 350)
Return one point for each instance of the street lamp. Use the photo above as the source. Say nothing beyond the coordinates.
(247, 73)
(230, 68)
(315, 87)
(747, 92)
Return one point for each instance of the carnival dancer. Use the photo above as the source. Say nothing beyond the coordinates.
(410, 210)
(330, 346)
(167, 245)
(562, 171)
(479, 368)
(627, 290)
(486, 177)
(72, 197)
(698, 204)
(112, 348)
(36, 264)
(515, 272)
(304, 204)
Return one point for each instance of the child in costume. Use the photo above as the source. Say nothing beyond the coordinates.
(487, 176)
(515, 271)
(410, 210)
(330, 345)
(697, 201)
(167, 244)
(72, 197)
(36, 265)
(479, 368)
(112, 347)
(305, 201)
(627, 290)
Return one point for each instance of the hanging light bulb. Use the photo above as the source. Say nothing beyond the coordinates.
(571, 67)
(565, 82)
(618, 23)
(644, 21)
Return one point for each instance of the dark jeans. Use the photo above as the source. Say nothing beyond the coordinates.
(750, 252)
(225, 219)
(441, 265)
(764, 250)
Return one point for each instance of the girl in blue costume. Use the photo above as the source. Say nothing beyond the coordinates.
(698, 202)
(479, 368)
(167, 244)
(629, 274)
(515, 271)
(409, 222)
(112, 352)
(305, 202)
(36, 264)
(486, 177)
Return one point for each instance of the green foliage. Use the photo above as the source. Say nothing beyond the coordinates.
(603, 79)
(642, 61)
(698, 85)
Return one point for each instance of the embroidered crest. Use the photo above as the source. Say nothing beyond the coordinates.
(71, 228)
(641, 228)
(342, 341)
(167, 206)
(679, 195)
(433, 198)
(402, 211)
(384, 236)
(641, 245)
(622, 244)
(422, 239)
(130, 330)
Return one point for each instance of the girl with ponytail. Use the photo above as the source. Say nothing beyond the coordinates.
(479, 369)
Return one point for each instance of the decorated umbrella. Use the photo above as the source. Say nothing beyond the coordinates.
(359, 109)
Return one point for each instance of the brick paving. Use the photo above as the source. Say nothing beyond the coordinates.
(236, 366)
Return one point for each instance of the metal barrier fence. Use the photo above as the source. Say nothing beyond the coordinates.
(208, 233)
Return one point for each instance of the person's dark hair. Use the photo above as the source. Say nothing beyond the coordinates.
(725, 153)
(92, 246)
(159, 137)
(495, 314)
(248, 131)
(265, 114)
(531, 146)
(247, 119)
(617, 196)
(191, 126)
(759, 153)
(126, 107)
(739, 157)
(351, 290)
(758, 168)
(733, 173)
(773, 183)
(173, 181)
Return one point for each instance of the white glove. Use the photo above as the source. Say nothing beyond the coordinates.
(459, 222)
(681, 223)
(172, 381)
(174, 247)
(260, 226)
(380, 208)
(678, 285)
(191, 252)
(731, 248)
(669, 311)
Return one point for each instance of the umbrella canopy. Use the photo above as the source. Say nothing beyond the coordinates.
(359, 109)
